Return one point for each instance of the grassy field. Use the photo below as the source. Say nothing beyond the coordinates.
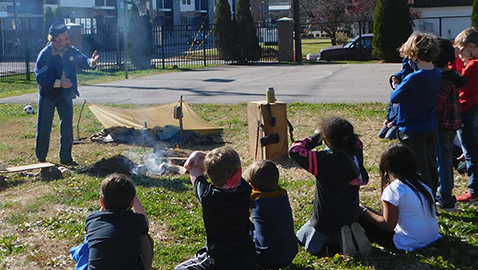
(314, 45)
(41, 220)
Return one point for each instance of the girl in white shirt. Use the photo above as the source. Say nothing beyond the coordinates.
(408, 219)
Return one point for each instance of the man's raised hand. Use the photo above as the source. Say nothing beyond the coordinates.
(94, 58)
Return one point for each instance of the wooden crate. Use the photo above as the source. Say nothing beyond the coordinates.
(259, 112)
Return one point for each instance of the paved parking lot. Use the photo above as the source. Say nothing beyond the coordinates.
(314, 83)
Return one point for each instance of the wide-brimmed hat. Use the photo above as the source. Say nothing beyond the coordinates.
(57, 28)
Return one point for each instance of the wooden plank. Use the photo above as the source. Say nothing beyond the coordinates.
(27, 167)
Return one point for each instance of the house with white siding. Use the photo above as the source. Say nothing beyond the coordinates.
(443, 17)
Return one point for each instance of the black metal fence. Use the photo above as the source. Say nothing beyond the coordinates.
(180, 46)
(18, 52)
(175, 46)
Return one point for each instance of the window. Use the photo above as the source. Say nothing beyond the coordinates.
(105, 3)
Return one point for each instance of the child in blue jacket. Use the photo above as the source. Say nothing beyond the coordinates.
(274, 236)
(417, 123)
(390, 128)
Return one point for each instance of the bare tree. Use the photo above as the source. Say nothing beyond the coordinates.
(308, 9)
(361, 12)
(330, 16)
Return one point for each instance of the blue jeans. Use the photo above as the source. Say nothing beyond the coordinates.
(312, 240)
(468, 135)
(388, 133)
(46, 110)
(445, 139)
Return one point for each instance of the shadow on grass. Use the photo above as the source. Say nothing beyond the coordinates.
(449, 253)
(456, 250)
(293, 267)
(18, 179)
(444, 254)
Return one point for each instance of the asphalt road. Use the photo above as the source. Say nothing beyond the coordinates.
(318, 83)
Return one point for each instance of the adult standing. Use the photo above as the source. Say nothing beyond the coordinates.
(56, 76)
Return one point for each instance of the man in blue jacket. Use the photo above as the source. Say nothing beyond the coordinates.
(56, 75)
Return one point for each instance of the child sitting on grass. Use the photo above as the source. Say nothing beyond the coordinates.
(408, 220)
(116, 236)
(225, 205)
(339, 173)
(389, 129)
(274, 235)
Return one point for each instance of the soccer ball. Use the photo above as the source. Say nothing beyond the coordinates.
(28, 109)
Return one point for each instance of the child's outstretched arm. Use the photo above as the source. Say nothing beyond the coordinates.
(301, 152)
(195, 165)
(138, 208)
(387, 220)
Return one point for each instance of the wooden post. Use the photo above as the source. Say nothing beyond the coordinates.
(181, 117)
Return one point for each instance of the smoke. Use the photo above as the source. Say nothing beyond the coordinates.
(152, 164)
(157, 162)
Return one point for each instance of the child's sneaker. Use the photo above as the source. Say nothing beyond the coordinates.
(348, 247)
(361, 239)
(452, 206)
(467, 198)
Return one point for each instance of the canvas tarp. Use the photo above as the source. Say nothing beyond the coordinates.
(160, 115)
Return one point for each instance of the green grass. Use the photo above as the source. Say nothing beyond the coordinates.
(314, 45)
(41, 220)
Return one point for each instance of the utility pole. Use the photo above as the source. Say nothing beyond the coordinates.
(298, 43)
(125, 36)
(15, 14)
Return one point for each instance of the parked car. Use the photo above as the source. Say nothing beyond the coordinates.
(360, 48)
(196, 39)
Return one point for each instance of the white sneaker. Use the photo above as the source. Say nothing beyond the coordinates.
(361, 239)
(348, 247)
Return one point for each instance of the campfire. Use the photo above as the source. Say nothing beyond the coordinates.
(159, 162)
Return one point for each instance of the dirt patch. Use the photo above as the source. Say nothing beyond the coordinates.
(40, 243)
(105, 166)
(24, 196)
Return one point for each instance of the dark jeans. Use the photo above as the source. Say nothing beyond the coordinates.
(422, 145)
(445, 139)
(388, 133)
(468, 135)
